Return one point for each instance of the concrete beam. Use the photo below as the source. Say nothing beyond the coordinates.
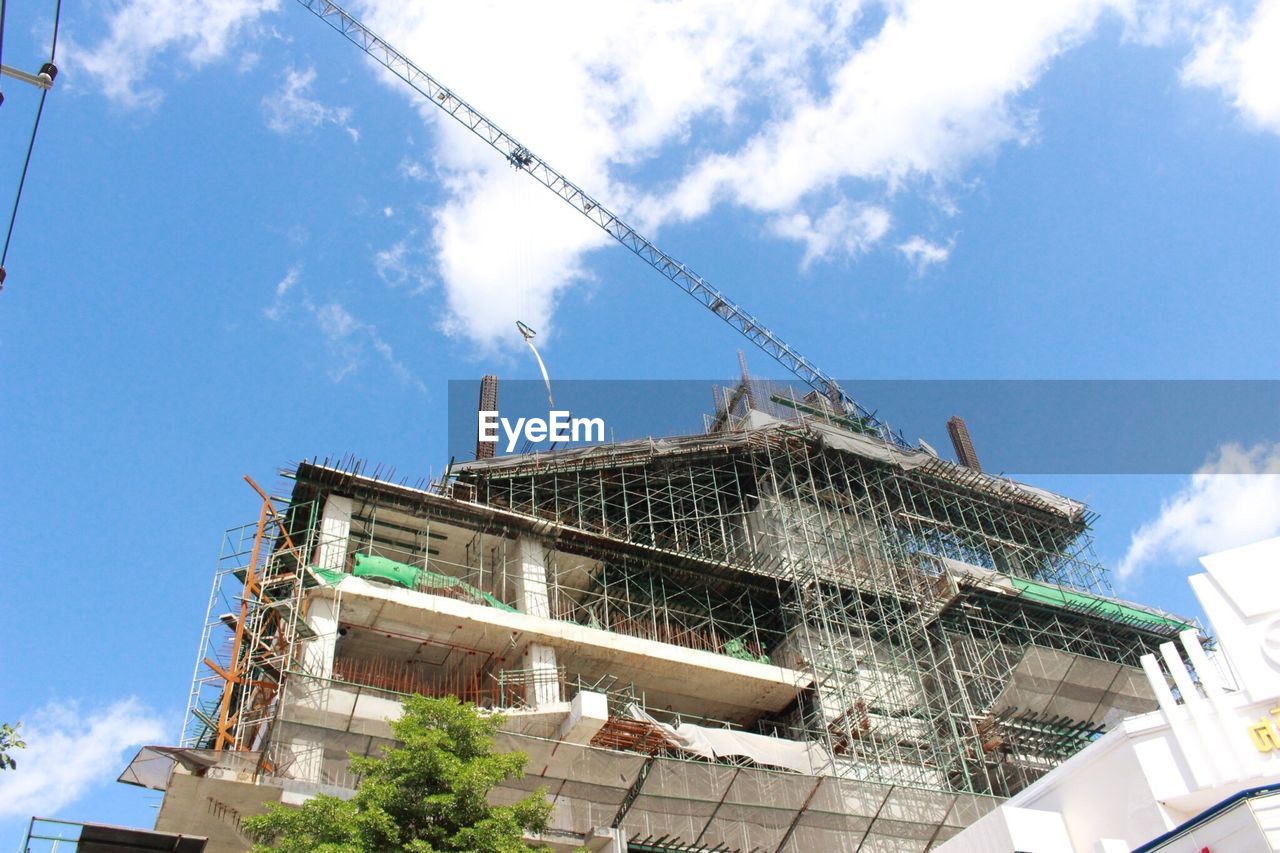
(587, 715)
(691, 681)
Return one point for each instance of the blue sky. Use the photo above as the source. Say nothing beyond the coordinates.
(241, 245)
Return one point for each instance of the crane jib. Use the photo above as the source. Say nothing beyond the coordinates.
(522, 158)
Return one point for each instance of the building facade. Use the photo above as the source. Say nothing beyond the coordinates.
(784, 633)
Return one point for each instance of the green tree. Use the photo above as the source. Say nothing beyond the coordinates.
(426, 795)
(10, 739)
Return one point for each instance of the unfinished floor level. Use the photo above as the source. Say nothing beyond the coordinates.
(782, 634)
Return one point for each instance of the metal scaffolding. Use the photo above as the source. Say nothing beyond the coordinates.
(776, 541)
(252, 627)
(919, 605)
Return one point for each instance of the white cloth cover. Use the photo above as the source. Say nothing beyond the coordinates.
(721, 743)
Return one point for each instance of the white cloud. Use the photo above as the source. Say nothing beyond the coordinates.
(413, 170)
(71, 749)
(1156, 23)
(139, 30)
(922, 253)
(335, 321)
(1243, 60)
(821, 115)
(1233, 500)
(346, 336)
(390, 263)
(621, 82)
(932, 90)
(856, 109)
(505, 252)
(844, 229)
(291, 108)
(403, 264)
(276, 309)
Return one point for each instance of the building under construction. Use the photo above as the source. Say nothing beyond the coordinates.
(784, 633)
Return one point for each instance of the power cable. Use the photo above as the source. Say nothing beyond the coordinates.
(2, 4)
(48, 71)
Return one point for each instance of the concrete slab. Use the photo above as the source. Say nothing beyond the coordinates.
(688, 681)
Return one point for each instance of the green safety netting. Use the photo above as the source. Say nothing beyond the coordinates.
(329, 576)
(373, 566)
(431, 581)
(736, 648)
(1059, 596)
(412, 577)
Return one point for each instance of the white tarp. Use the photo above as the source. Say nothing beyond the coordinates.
(724, 743)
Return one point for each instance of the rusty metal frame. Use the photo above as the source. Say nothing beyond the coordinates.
(249, 637)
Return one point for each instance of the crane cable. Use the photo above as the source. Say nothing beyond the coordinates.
(47, 70)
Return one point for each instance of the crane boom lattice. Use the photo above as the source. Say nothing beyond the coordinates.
(522, 158)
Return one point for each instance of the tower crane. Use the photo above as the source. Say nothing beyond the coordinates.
(520, 157)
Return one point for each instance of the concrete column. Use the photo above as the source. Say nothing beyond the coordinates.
(309, 692)
(318, 652)
(531, 578)
(532, 598)
(543, 687)
(335, 532)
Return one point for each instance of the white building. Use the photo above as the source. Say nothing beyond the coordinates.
(1202, 773)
